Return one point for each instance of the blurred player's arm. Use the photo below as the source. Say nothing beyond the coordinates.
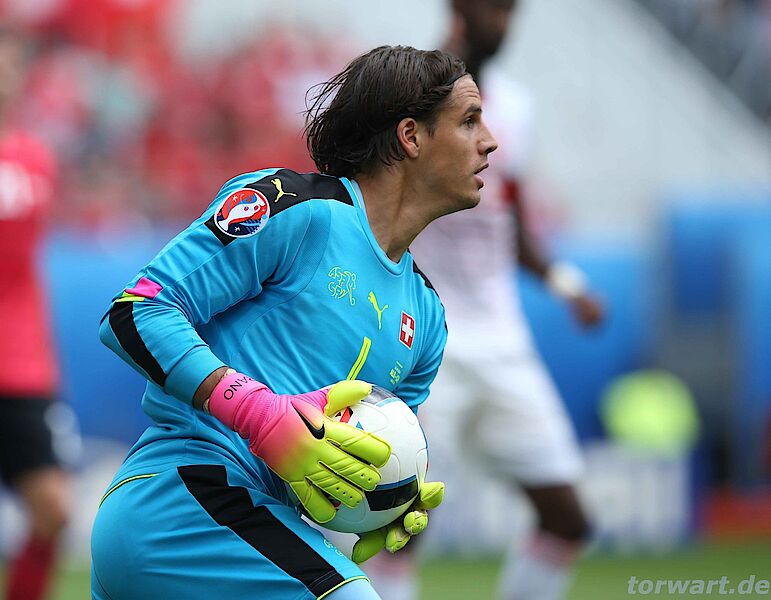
(563, 279)
(203, 272)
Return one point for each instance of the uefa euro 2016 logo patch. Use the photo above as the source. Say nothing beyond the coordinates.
(242, 213)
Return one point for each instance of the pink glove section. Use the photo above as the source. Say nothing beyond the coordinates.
(251, 409)
(320, 458)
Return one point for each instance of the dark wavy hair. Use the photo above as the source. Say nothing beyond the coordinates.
(351, 119)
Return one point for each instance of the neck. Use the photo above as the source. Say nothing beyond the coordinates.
(393, 210)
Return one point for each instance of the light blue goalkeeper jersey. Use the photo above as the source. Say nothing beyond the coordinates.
(282, 279)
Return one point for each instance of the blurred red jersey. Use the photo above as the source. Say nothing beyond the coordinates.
(27, 171)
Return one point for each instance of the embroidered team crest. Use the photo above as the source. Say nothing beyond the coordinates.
(343, 283)
(407, 330)
(243, 213)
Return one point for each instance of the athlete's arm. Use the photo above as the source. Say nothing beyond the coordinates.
(563, 279)
(529, 253)
(207, 386)
(202, 272)
(206, 270)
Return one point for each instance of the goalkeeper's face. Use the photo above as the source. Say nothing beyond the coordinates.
(454, 154)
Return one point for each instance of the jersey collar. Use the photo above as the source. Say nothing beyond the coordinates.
(358, 201)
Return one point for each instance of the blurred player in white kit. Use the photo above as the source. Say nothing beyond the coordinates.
(492, 391)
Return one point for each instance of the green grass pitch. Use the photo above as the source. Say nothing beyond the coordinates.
(598, 576)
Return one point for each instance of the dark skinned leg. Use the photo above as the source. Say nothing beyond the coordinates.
(559, 511)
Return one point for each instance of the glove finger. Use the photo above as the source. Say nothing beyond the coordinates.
(396, 537)
(345, 393)
(368, 545)
(316, 504)
(335, 486)
(360, 474)
(365, 446)
(430, 496)
(415, 521)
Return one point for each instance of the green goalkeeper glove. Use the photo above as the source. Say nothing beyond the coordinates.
(295, 435)
(394, 537)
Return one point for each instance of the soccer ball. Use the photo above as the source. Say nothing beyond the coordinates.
(390, 418)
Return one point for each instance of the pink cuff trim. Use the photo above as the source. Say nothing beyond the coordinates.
(145, 288)
(233, 386)
(228, 396)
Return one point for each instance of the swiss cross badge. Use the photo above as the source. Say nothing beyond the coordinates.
(407, 330)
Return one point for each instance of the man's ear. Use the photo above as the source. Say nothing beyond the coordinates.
(408, 132)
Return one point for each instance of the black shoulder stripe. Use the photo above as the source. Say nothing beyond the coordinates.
(221, 235)
(429, 285)
(125, 330)
(417, 270)
(285, 188)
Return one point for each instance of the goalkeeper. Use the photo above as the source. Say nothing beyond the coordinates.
(243, 321)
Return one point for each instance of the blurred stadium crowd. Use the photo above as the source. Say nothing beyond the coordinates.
(140, 132)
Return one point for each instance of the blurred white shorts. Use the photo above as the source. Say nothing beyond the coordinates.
(502, 412)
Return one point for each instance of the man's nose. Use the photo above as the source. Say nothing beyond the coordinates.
(489, 143)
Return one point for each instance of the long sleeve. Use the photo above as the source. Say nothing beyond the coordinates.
(222, 259)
